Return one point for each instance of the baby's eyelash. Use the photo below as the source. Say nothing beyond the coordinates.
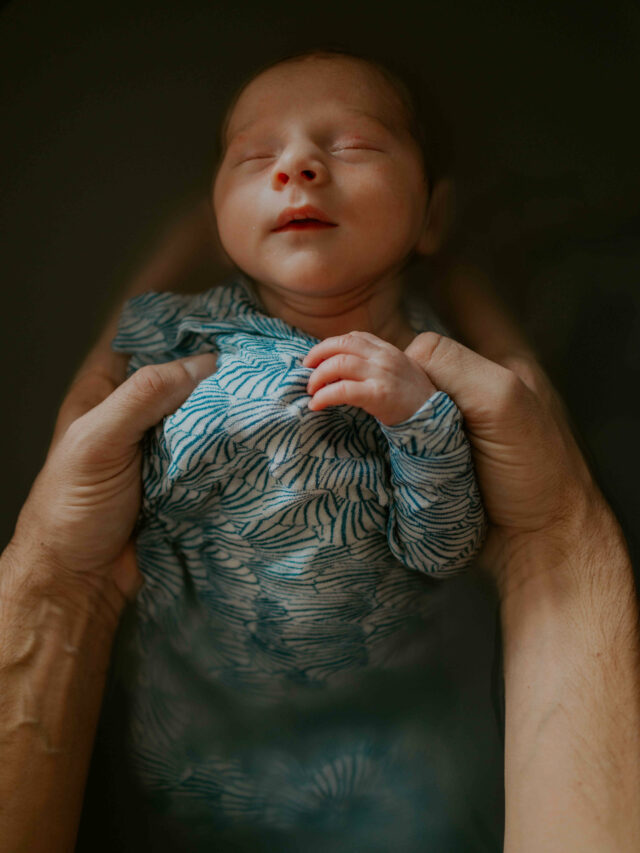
(355, 147)
(253, 157)
(332, 150)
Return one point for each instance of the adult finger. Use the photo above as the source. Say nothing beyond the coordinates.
(532, 374)
(519, 445)
(485, 323)
(494, 397)
(100, 374)
(478, 385)
(154, 391)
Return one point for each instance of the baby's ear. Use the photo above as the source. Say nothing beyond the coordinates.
(439, 219)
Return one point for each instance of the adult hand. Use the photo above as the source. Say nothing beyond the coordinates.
(568, 608)
(64, 580)
(533, 478)
(82, 508)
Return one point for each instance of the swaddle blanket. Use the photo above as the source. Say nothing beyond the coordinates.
(304, 537)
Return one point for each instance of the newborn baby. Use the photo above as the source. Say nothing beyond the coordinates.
(297, 504)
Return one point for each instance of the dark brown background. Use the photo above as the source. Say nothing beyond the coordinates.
(109, 114)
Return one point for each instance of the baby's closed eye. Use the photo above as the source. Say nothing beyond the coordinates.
(251, 158)
(345, 146)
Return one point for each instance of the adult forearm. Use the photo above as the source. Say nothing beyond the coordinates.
(54, 655)
(572, 686)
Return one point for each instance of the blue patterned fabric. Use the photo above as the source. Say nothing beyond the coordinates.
(285, 552)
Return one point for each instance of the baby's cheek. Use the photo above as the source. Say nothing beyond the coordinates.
(383, 214)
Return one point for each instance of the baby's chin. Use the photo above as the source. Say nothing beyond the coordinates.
(313, 280)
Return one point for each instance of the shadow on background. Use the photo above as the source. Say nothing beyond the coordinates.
(109, 120)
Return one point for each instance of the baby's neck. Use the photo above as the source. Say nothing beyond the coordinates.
(375, 308)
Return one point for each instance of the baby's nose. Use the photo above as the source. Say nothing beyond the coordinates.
(305, 175)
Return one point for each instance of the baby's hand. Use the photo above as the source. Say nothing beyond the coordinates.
(362, 370)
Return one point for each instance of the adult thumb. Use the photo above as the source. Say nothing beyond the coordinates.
(153, 392)
(480, 388)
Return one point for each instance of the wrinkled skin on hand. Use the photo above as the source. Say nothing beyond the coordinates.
(81, 511)
(534, 481)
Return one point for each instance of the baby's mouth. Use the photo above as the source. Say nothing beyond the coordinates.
(303, 218)
(305, 225)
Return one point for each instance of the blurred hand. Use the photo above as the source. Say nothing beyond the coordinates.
(186, 257)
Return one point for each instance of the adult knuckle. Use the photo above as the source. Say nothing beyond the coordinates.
(424, 347)
(76, 435)
(510, 394)
(92, 387)
(86, 392)
(79, 446)
(439, 345)
(529, 370)
(151, 381)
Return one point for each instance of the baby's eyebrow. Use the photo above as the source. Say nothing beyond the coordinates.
(241, 129)
(363, 113)
(372, 117)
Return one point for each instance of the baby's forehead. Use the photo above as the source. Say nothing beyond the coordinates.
(353, 86)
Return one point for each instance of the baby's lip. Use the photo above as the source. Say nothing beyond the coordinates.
(290, 214)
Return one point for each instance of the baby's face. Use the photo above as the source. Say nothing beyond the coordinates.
(327, 134)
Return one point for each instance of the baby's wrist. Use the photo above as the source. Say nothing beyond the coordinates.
(400, 416)
(435, 427)
(407, 411)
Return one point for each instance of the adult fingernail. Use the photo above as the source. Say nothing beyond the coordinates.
(200, 366)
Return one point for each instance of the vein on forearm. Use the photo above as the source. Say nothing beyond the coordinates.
(39, 663)
(54, 655)
(572, 686)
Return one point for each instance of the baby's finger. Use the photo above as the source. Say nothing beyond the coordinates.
(347, 392)
(340, 366)
(358, 343)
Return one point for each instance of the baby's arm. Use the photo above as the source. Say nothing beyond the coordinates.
(436, 517)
